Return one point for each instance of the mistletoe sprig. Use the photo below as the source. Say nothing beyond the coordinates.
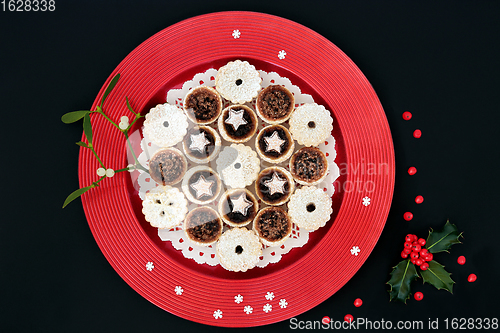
(124, 126)
(420, 253)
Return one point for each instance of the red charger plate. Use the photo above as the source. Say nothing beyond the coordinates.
(305, 276)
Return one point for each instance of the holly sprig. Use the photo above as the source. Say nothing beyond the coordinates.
(123, 126)
(433, 273)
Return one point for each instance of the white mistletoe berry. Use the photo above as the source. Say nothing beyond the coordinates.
(110, 173)
(101, 172)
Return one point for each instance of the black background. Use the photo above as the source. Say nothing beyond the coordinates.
(438, 60)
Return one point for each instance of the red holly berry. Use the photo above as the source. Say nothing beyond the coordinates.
(421, 241)
(407, 251)
(461, 260)
(404, 255)
(408, 245)
(472, 278)
(419, 199)
(358, 302)
(349, 318)
(409, 238)
(418, 296)
(424, 253)
(407, 115)
(414, 255)
(412, 171)
(415, 238)
(417, 133)
(416, 247)
(413, 261)
(419, 262)
(424, 266)
(408, 216)
(429, 257)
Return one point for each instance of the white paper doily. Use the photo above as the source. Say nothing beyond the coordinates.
(207, 255)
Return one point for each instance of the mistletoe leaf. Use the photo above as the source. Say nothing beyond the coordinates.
(71, 117)
(442, 240)
(437, 276)
(82, 144)
(87, 128)
(75, 195)
(401, 277)
(110, 87)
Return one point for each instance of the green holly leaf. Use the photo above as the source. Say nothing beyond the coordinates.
(442, 240)
(437, 276)
(401, 277)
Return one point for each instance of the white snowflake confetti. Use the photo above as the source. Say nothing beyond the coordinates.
(283, 303)
(236, 34)
(241, 205)
(266, 308)
(366, 201)
(274, 142)
(281, 54)
(236, 118)
(248, 309)
(275, 184)
(178, 290)
(150, 266)
(202, 187)
(270, 296)
(198, 142)
(355, 250)
(238, 299)
(217, 314)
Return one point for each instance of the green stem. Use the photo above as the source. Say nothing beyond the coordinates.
(95, 154)
(137, 164)
(111, 121)
(96, 183)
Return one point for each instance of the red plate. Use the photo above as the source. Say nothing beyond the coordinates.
(305, 276)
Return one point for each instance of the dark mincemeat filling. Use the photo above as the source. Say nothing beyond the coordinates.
(166, 168)
(275, 103)
(204, 104)
(273, 153)
(263, 190)
(243, 130)
(309, 164)
(273, 224)
(203, 225)
(209, 148)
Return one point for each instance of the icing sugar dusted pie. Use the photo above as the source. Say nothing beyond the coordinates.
(256, 166)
